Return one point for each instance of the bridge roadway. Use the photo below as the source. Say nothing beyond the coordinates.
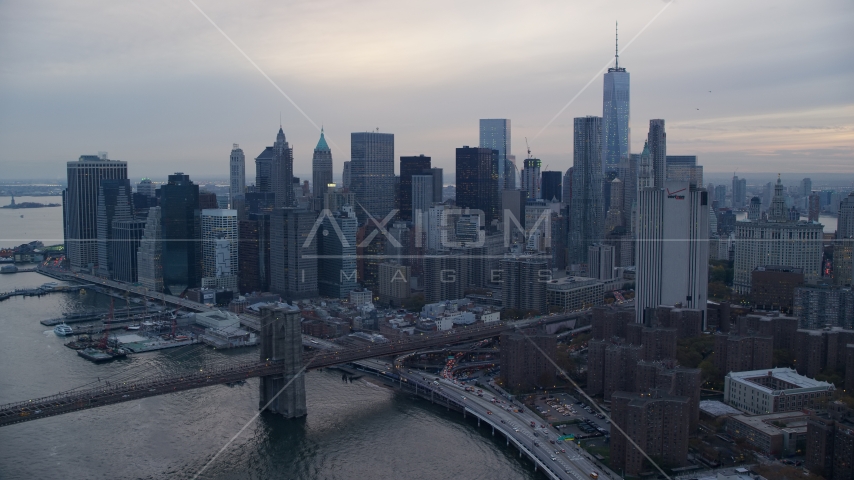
(573, 464)
(126, 287)
(82, 399)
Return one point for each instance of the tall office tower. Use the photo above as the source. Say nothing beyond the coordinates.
(220, 249)
(146, 188)
(421, 192)
(236, 175)
(182, 256)
(616, 136)
(409, 166)
(806, 187)
(567, 186)
(123, 249)
(114, 203)
(586, 208)
(495, 135)
(843, 248)
(656, 422)
(531, 177)
(253, 253)
(614, 217)
(80, 206)
(510, 171)
(372, 174)
(337, 251)
(813, 207)
(321, 167)
(646, 177)
(477, 180)
(739, 192)
(293, 264)
(551, 187)
(672, 248)
(845, 222)
(777, 241)
(523, 288)
(150, 253)
(754, 210)
(720, 195)
(263, 171)
(657, 141)
(684, 168)
(345, 175)
(601, 262)
(282, 172)
(627, 172)
(438, 185)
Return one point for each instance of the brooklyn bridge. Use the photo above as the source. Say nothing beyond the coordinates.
(281, 366)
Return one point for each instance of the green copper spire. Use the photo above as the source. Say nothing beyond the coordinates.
(321, 144)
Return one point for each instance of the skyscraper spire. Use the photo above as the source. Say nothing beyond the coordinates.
(616, 45)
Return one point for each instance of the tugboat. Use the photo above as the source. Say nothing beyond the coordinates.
(62, 330)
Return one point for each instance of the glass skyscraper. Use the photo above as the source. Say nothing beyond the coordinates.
(616, 136)
(372, 173)
(495, 135)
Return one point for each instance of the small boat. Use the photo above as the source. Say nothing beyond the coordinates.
(62, 330)
(133, 327)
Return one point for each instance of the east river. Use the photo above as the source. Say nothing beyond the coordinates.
(353, 430)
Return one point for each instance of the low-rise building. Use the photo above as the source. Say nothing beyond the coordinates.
(775, 434)
(774, 390)
(575, 293)
(219, 319)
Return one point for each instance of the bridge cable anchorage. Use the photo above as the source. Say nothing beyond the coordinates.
(254, 417)
(578, 389)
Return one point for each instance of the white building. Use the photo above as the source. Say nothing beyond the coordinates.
(672, 247)
(575, 293)
(777, 241)
(774, 390)
(360, 296)
(236, 175)
(219, 249)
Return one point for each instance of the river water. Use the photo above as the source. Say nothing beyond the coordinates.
(353, 430)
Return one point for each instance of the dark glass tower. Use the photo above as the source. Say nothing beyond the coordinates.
(586, 204)
(477, 180)
(552, 186)
(410, 166)
(181, 233)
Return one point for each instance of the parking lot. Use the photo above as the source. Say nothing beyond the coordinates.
(579, 419)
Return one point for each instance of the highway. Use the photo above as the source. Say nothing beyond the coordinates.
(142, 291)
(573, 464)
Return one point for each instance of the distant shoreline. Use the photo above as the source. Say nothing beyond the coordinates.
(22, 205)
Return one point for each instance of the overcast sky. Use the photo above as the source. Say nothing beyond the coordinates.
(760, 86)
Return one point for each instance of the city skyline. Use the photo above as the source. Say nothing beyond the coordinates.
(764, 121)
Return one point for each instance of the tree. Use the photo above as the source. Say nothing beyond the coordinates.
(784, 358)
(414, 303)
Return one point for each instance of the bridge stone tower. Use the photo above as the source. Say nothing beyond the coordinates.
(281, 339)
